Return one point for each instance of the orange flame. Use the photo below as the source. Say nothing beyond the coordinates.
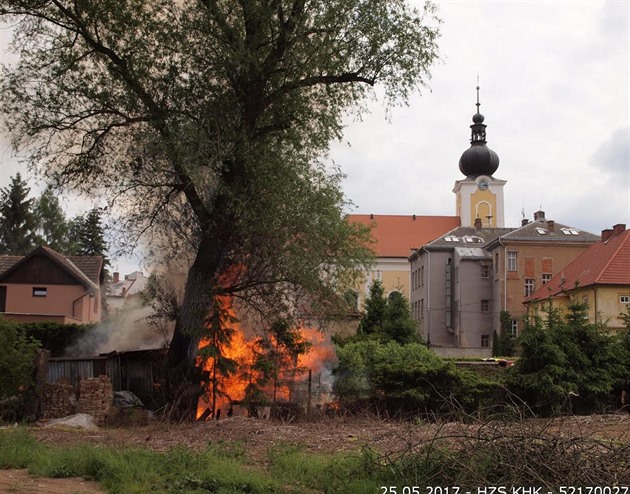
(243, 351)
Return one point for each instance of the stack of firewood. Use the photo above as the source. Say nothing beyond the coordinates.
(95, 397)
(58, 400)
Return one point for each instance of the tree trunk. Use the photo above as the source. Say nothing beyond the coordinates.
(184, 376)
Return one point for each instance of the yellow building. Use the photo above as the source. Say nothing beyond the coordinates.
(599, 277)
(395, 238)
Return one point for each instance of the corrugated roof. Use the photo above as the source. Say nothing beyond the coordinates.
(603, 263)
(396, 236)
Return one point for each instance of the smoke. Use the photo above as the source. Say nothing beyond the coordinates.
(127, 329)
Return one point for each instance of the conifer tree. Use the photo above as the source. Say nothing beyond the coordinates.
(53, 229)
(375, 310)
(17, 220)
(399, 325)
(89, 234)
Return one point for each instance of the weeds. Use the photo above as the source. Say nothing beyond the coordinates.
(538, 453)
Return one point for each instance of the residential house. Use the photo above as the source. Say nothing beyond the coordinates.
(122, 291)
(45, 285)
(599, 277)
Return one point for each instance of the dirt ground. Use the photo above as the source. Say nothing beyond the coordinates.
(327, 435)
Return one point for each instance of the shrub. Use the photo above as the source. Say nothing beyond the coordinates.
(16, 360)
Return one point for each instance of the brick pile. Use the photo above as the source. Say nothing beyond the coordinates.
(58, 400)
(95, 397)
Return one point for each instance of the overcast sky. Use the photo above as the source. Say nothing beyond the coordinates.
(554, 91)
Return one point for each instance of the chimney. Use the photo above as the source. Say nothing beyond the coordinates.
(371, 216)
(539, 215)
(550, 225)
(124, 292)
(116, 276)
(478, 223)
(618, 229)
(606, 234)
(524, 221)
(414, 217)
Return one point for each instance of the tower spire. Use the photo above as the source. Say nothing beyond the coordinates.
(478, 160)
(478, 104)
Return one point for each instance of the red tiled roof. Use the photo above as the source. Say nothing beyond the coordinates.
(603, 263)
(396, 236)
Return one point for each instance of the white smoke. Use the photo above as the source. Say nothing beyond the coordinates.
(127, 329)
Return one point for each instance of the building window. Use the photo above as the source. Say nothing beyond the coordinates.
(39, 291)
(485, 306)
(421, 275)
(485, 271)
(513, 328)
(485, 340)
(624, 299)
(545, 278)
(511, 261)
(529, 286)
(421, 308)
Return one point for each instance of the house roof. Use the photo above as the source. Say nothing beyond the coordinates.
(544, 230)
(87, 272)
(396, 236)
(467, 236)
(603, 263)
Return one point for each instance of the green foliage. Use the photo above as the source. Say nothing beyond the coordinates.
(18, 223)
(387, 318)
(208, 121)
(408, 378)
(503, 344)
(375, 310)
(399, 326)
(53, 228)
(277, 352)
(54, 336)
(567, 364)
(16, 359)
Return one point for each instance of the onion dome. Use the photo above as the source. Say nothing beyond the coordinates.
(479, 159)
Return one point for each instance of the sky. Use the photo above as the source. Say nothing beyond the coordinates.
(554, 79)
(554, 91)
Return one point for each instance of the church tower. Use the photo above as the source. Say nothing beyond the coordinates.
(479, 195)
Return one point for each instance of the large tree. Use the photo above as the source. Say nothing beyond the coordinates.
(207, 119)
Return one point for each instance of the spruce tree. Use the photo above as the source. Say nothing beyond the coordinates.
(53, 229)
(17, 221)
(375, 310)
(90, 235)
(399, 325)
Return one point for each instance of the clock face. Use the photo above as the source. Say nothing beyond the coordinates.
(483, 184)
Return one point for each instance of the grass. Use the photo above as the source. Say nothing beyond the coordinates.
(489, 455)
(222, 468)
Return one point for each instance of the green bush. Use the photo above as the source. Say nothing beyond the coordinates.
(568, 365)
(16, 360)
(408, 379)
(54, 336)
